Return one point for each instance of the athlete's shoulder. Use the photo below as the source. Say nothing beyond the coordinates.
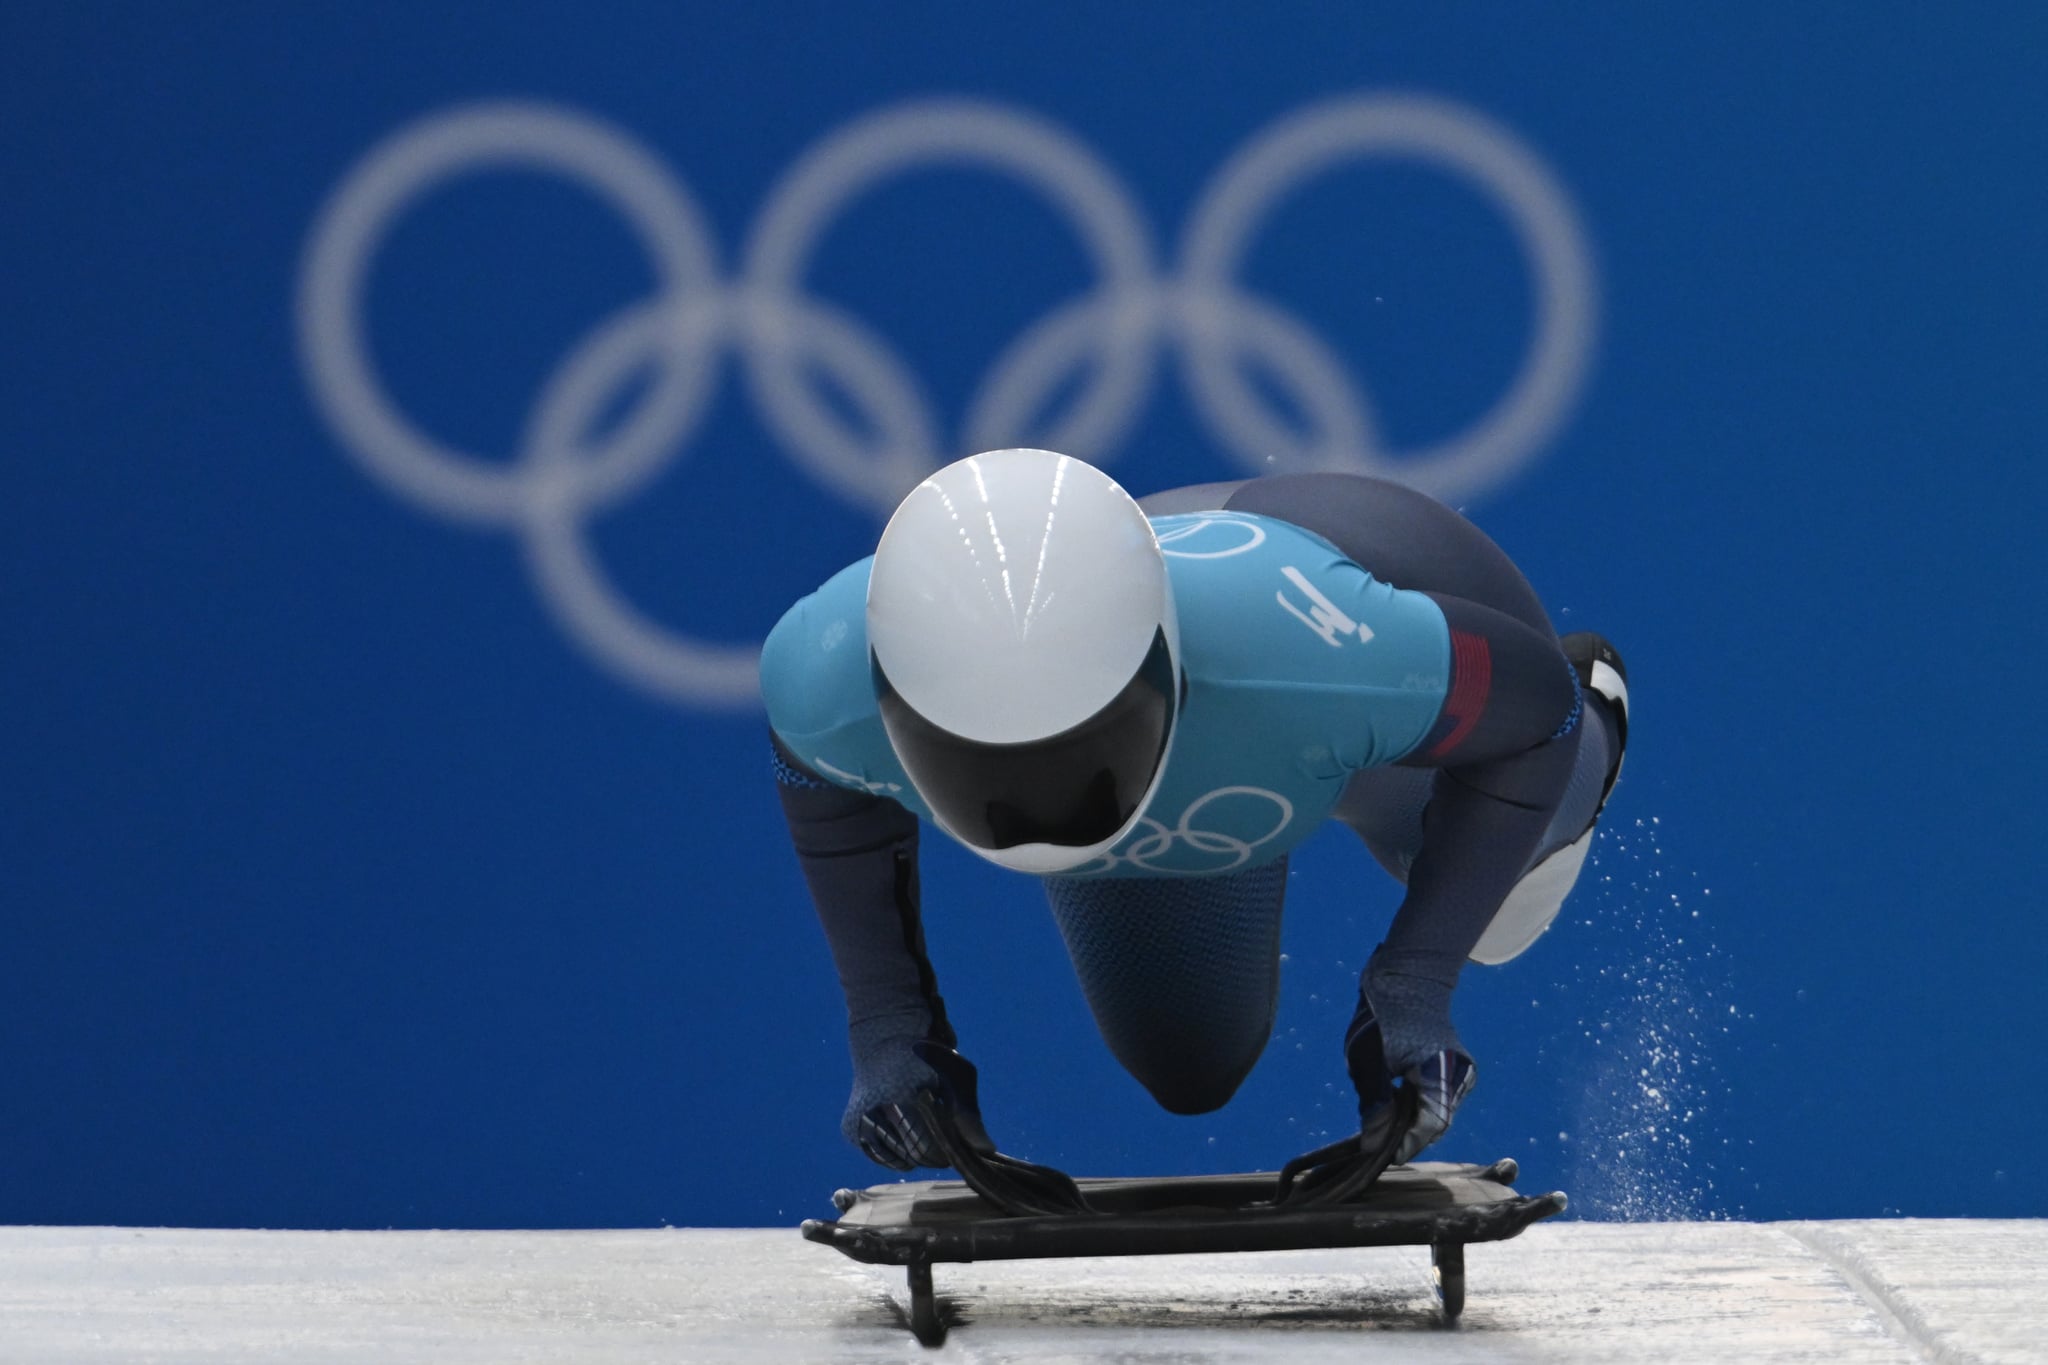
(1285, 630)
(1263, 589)
(814, 664)
(1227, 536)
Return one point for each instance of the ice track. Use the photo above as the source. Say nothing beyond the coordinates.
(1898, 1290)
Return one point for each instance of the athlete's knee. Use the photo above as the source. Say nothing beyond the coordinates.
(1204, 1090)
(1190, 1065)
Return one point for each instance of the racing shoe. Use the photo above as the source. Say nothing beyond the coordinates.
(1602, 673)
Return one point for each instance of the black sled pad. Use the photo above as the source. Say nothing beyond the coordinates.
(1442, 1206)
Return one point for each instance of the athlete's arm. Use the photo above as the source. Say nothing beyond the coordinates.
(859, 857)
(858, 852)
(1504, 748)
(1507, 735)
(1511, 689)
(856, 843)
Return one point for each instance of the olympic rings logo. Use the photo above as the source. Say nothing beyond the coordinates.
(1111, 337)
(1157, 841)
(1240, 536)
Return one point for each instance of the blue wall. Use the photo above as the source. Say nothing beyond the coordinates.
(386, 836)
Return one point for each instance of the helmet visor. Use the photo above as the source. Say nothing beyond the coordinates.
(1074, 789)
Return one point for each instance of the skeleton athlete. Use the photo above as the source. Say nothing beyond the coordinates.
(1148, 705)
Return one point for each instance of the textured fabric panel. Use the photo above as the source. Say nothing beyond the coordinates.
(1384, 806)
(1571, 722)
(858, 852)
(788, 774)
(1183, 975)
(1414, 1011)
(1588, 781)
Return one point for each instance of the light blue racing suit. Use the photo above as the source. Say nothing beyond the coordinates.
(1301, 670)
(1350, 649)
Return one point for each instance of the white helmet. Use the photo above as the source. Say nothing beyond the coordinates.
(1025, 655)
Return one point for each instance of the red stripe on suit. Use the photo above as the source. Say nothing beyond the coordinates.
(1471, 684)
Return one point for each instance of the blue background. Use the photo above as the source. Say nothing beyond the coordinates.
(341, 888)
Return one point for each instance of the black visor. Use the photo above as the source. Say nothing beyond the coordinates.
(1073, 789)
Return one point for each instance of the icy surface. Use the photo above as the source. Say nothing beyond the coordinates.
(1869, 1291)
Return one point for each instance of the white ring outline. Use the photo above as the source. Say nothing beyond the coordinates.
(557, 483)
(1489, 158)
(1158, 841)
(1170, 539)
(359, 214)
(880, 147)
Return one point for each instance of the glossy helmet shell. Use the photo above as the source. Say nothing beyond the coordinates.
(1025, 655)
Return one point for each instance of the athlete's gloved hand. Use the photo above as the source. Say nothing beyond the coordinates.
(1440, 1080)
(882, 1116)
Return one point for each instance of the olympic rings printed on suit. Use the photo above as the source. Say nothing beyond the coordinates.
(571, 464)
(1242, 537)
(1158, 841)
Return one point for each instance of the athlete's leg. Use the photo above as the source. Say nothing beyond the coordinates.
(1501, 768)
(1554, 871)
(1182, 974)
(1385, 808)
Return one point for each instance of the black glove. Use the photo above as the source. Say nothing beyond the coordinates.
(882, 1117)
(1399, 1114)
(1365, 1058)
(1440, 1082)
